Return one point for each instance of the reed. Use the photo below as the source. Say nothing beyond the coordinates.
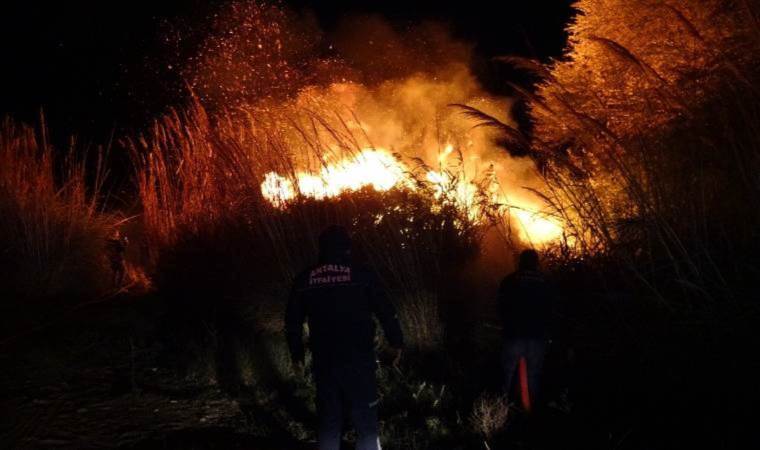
(52, 226)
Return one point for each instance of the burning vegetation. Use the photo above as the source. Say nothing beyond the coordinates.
(380, 170)
(319, 138)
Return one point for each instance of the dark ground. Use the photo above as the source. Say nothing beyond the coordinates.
(112, 375)
(101, 380)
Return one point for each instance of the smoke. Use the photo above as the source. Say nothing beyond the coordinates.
(390, 88)
(411, 116)
(379, 52)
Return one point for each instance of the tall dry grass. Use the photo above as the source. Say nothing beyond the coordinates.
(52, 228)
(647, 135)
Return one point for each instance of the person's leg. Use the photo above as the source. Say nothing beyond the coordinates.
(534, 357)
(329, 408)
(361, 389)
(510, 356)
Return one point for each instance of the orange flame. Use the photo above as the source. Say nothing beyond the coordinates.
(381, 171)
(370, 168)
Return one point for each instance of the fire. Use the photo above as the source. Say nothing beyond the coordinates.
(380, 170)
(370, 168)
(285, 92)
(535, 228)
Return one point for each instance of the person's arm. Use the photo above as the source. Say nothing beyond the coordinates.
(386, 314)
(294, 318)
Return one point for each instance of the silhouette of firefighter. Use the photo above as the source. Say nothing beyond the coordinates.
(339, 300)
(117, 250)
(525, 303)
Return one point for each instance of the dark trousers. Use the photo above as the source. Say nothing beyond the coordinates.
(533, 350)
(342, 390)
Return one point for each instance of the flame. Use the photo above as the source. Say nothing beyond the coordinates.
(370, 168)
(380, 170)
(535, 228)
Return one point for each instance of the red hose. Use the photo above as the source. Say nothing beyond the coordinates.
(524, 388)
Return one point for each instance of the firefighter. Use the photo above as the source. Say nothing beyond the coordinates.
(525, 303)
(339, 299)
(117, 248)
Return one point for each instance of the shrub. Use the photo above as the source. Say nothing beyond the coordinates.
(489, 415)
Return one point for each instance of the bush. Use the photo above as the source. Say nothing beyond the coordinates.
(489, 415)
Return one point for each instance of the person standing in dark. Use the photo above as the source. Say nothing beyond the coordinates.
(117, 250)
(525, 303)
(339, 300)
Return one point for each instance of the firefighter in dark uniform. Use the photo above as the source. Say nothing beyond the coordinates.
(525, 304)
(339, 300)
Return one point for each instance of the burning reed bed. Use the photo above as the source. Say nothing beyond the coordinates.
(195, 173)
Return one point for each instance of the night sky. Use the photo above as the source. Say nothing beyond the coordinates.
(90, 64)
